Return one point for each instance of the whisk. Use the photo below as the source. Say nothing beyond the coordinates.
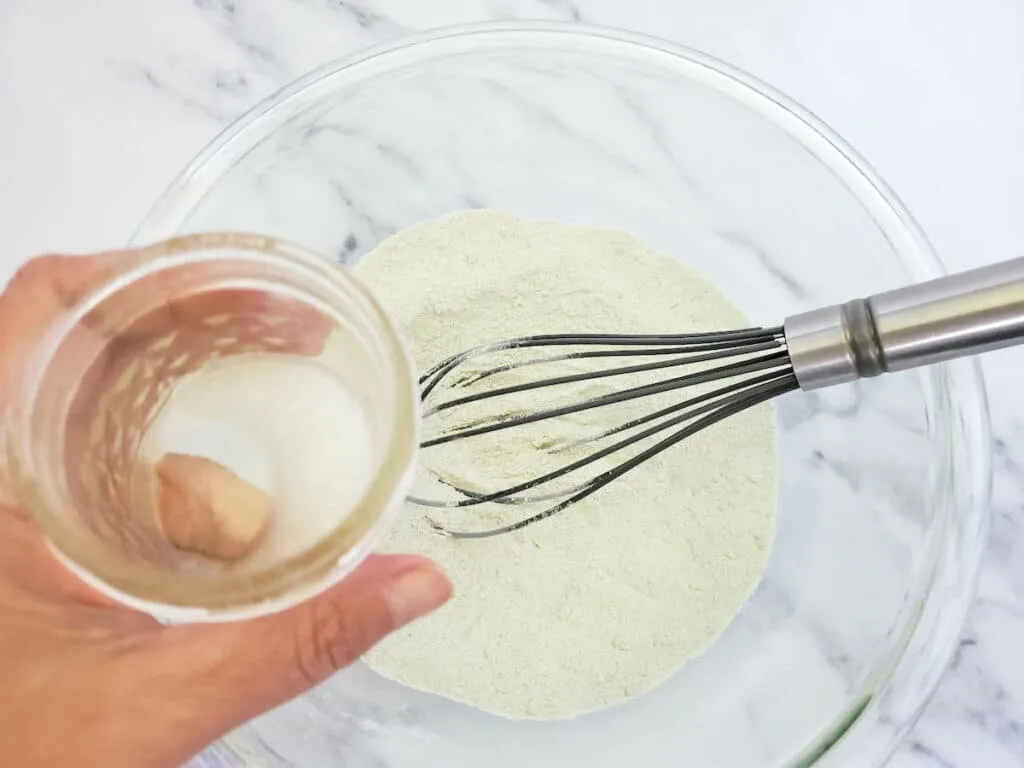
(954, 316)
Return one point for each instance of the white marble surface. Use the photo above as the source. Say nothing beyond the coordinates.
(103, 103)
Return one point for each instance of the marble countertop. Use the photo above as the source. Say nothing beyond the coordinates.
(104, 102)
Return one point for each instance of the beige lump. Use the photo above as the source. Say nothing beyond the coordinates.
(205, 508)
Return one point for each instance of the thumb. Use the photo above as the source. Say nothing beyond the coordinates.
(239, 670)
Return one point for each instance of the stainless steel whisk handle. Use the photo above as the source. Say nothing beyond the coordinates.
(953, 316)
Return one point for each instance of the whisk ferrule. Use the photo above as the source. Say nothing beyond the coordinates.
(962, 314)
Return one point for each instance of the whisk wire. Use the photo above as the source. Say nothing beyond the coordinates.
(573, 378)
(758, 355)
(474, 378)
(771, 360)
(691, 408)
(433, 376)
(761, 394)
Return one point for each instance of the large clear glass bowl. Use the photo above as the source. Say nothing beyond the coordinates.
(883, 491)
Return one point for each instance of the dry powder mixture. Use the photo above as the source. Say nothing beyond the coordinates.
(607, 599)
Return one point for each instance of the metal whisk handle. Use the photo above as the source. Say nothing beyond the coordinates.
(953, 316)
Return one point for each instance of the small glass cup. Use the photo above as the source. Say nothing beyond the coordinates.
(102, 373)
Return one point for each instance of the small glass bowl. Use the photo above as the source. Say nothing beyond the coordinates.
(883, 484)
(98, 380)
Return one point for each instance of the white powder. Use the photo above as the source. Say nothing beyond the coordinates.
(610, 597)
(275, 421)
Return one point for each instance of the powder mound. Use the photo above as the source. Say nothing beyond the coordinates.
(607, 599)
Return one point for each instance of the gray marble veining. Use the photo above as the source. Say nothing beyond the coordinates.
(145, 88)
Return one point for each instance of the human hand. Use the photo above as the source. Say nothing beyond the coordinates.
(89, 682)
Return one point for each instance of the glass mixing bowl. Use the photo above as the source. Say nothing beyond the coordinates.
(883, 489)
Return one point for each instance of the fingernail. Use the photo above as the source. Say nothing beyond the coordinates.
(416, 593)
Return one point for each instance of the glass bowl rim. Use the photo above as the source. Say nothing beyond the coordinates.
(188, 187)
